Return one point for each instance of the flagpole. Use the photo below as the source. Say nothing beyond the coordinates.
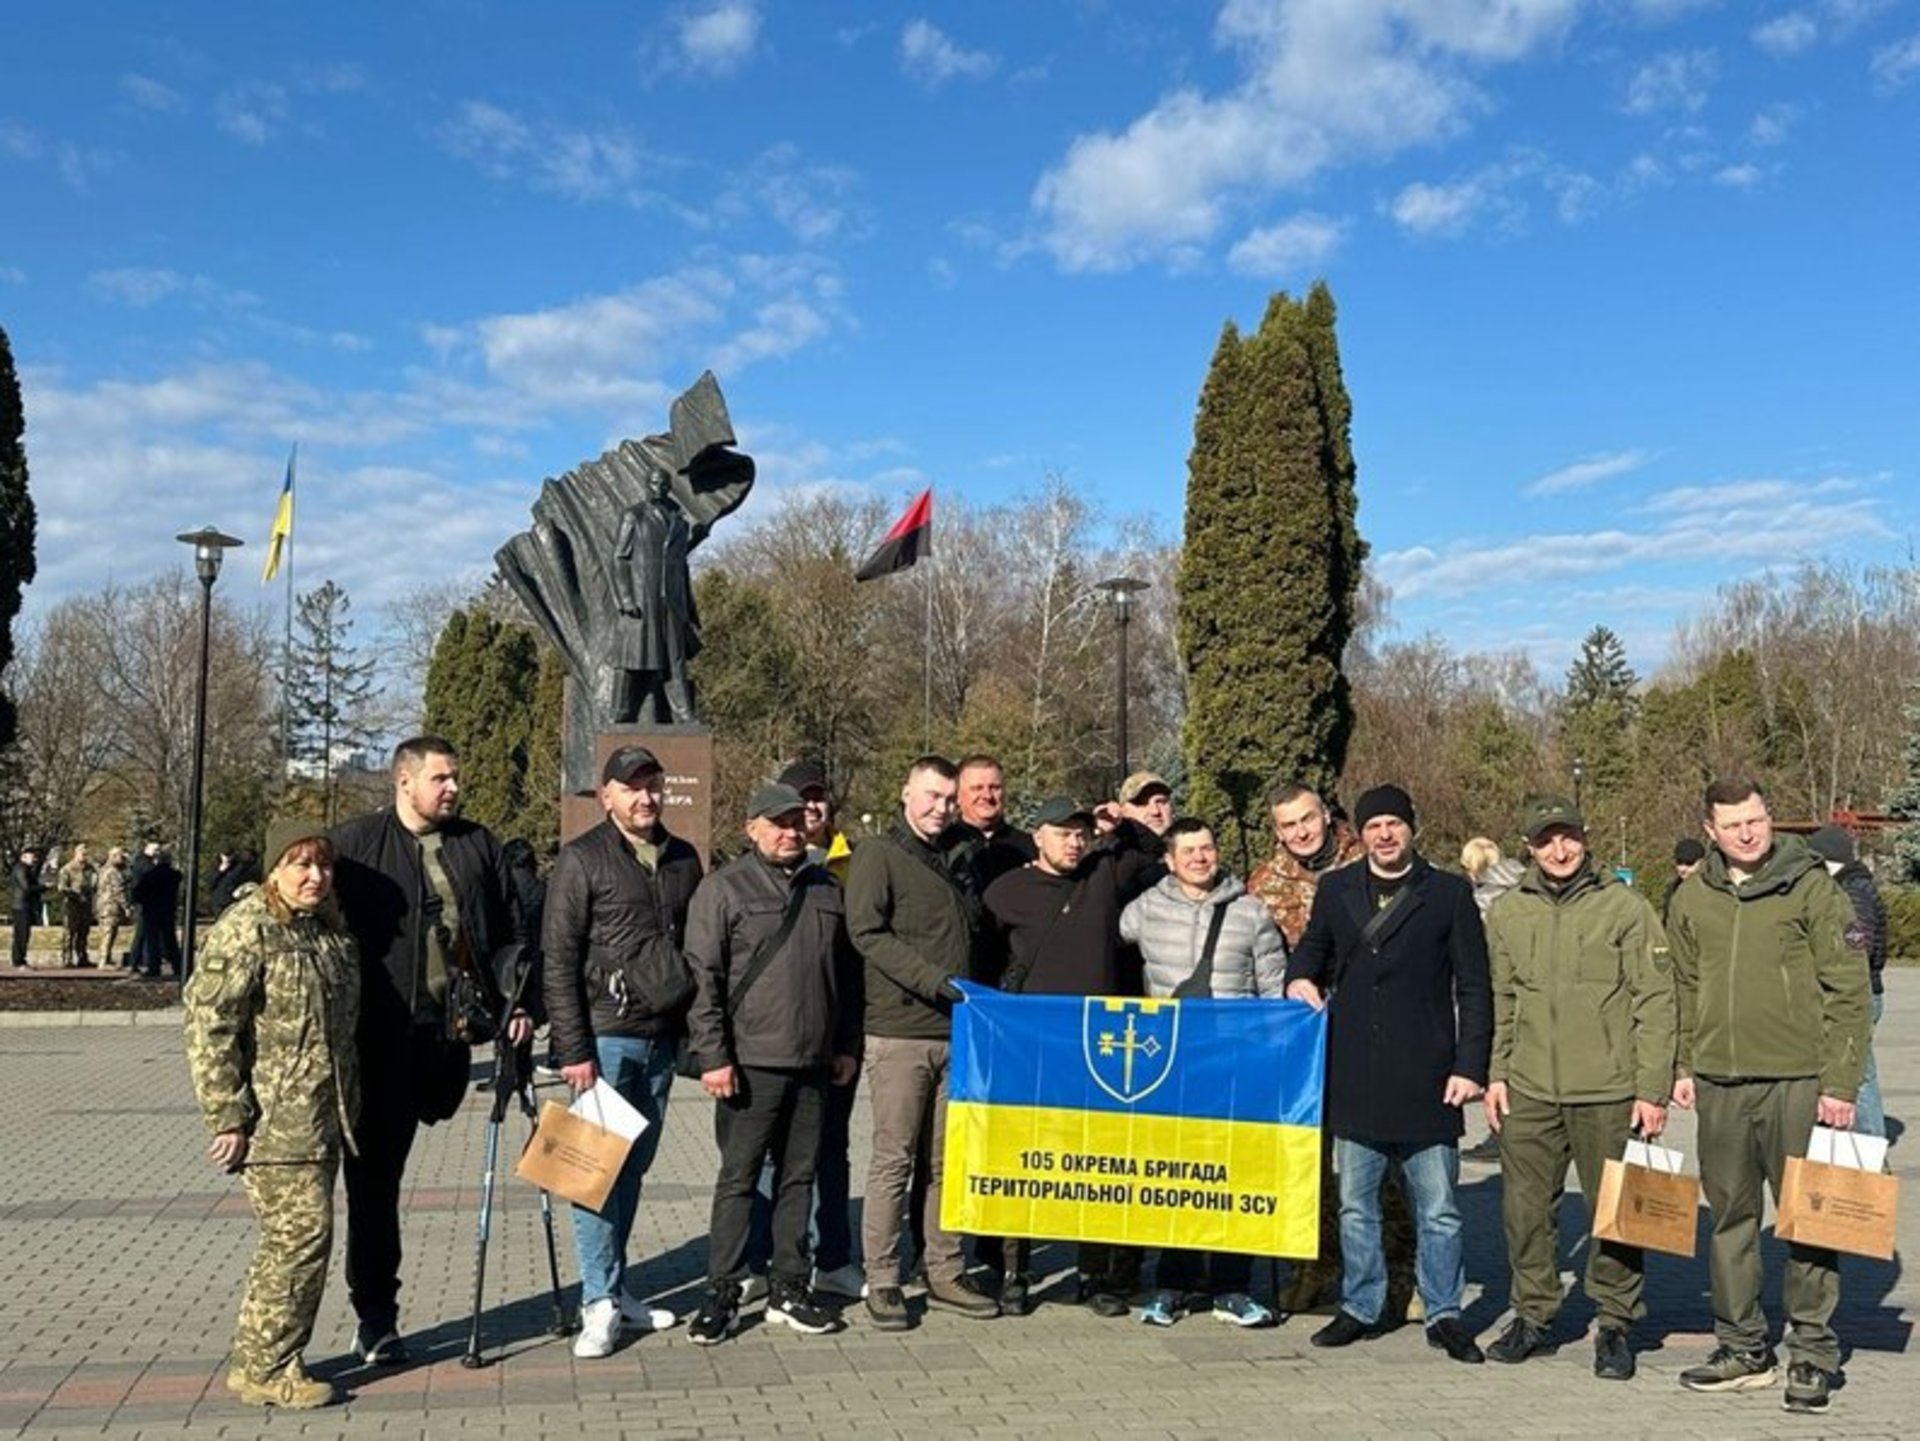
(926, 652)
(286, 634)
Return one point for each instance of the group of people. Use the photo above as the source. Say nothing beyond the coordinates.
(805, 967)
(137, 897)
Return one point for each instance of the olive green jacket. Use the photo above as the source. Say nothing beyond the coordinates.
(270, 1016)
(1772, 973)
(1583, 1003)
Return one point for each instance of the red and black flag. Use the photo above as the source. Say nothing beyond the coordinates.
(910, 538)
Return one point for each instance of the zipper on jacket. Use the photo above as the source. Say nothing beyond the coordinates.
(1733, 984)
(1553, 1010)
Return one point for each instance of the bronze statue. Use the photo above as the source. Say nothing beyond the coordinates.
(604, 571)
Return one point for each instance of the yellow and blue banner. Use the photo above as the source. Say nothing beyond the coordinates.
(282, 530)
(1139, 1122)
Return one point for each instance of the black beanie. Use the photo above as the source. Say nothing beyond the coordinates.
(1687, 851)
(1383, 801)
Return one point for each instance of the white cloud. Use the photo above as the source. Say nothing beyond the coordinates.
(815, 203)
(1894, 65)
(930, 56)
(1427, 209)
(1591, 471)
(12, 275)
(150, 94)
(1297, 244)
(1787, 34)
(1323, 83)
(1744, 524)
(1743, 176)
(137, 286)
(1772, 125)
(577, 164)
(76, 164)
(1675, 81)
(719, 38)
(253, 112)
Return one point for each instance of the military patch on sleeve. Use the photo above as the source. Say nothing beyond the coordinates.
(1662, 959)
(1857, 937)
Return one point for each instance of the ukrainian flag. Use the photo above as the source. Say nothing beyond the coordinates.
(282, 522)
(1139, 1122)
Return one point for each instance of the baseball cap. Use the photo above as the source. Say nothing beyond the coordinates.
(1543, 813)
(1061, 811)
(1134, 788)
(629, 762)
(774, 799)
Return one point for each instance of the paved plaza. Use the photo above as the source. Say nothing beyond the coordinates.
(122, 1255)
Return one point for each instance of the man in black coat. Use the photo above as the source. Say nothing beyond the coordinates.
(617, 988)
(424, 893)
(25, 897)
(1400, 948)
(157, 896)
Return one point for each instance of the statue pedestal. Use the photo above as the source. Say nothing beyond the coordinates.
(686, 754)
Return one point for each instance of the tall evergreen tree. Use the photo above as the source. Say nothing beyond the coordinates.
(330, 688)
(1905, 803)
(1598, 713)
(17, 522)
(1269, 574)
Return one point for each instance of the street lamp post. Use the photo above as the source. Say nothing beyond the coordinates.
(208, 547)
(1579, 774)
(1121, 590)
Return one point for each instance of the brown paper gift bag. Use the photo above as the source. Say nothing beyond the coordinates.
(1639, 1206)
(1837, 1207)
(572, 1157)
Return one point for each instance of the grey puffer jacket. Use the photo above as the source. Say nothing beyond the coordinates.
(1250, 958)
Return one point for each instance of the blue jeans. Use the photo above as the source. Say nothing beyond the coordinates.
(1431, 1173)
(1869, 1110)
(641, 1070)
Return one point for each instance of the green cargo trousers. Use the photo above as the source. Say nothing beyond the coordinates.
(1538, 1140)
(1747, 1131)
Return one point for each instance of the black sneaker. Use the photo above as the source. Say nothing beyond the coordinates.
(1612, 1356)
(1806, 1388)
(887, 1309)
(963, 1296)
(1016, 1297)
(718, 1319)
(1521, 1339)
(1730, 1370)
(379, 1346)
(799, 1311)
(1449, 1335)
(1343, 1330)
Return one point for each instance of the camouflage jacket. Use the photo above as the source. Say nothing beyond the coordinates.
(1286, 886)
(270, 1016)
(110, 900)
(76, 878)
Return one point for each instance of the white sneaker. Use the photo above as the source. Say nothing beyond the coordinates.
(599, 1329)
(753, 1288)
(848, 1280)
(637, 1316)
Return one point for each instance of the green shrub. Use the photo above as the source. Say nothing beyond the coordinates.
(1903, 923)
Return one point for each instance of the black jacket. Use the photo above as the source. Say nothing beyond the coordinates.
(1392, 1033)
(916, 926)
(978, 860)
(242, 871)
(611, 938)
(804, 1009)
(157, 893)
(1060, 935)
(23, 887)
(382, 884)
(1870, 914)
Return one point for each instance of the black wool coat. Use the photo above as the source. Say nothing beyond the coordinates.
(1408, 1009)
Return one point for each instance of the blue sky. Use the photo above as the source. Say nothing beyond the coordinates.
(1627, 288)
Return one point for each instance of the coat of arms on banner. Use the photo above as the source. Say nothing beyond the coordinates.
(1129, 1044)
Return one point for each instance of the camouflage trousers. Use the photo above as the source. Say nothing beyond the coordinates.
(293, 1202)
(1317, 1282)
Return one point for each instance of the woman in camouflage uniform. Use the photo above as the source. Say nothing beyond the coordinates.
(271, 1011)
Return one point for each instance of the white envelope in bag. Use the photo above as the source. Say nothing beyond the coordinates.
(1856, 1152)
(609, 1110)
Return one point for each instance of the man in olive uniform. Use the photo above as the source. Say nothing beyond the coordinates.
(1771, 969)
(1583, 1022)
(76, 883)
(113, 904)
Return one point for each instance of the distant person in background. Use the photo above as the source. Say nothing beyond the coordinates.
(1835, 848)
(77, 881)
(24, 897)
(157, 894)
(142, 959)
(1492, 874)
(236, 869)
(1688, 852)
(113, 905)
